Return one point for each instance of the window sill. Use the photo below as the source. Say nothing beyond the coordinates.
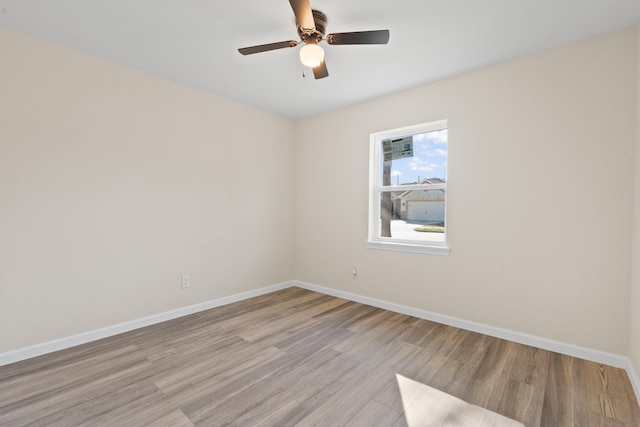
(408, 247)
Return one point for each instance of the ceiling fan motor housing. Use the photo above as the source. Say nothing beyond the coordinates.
(314, 35)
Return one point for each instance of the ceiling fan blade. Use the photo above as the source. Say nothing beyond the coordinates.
(359, 37)
(320, 71)
(267, 47)
(304, 15)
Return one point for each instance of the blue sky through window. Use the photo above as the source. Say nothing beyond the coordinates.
(429, 159)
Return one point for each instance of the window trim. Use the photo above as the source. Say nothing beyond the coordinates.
(375, 241)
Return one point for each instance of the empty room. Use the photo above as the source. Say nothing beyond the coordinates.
(300, 213)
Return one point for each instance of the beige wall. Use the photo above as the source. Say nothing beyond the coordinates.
(540, 188)
(114, 183)
(634, 336)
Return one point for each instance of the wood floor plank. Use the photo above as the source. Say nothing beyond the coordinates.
(489, 379)
(560, 394)
(200, 375)
(374, 414)
(422, 369)
(176, 418)
(603, 383)
(28, 384)
(375, 332)
(61, 390)
(89, 409)
(526, 372)
(295, 358)
(521, 402)
(239, 382)
(359, 386)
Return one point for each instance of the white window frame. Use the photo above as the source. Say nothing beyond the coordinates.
(375, 241)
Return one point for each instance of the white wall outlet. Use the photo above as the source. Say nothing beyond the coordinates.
(354, 271)
(186, 282)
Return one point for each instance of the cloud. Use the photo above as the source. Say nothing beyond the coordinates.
(427, 144)
(439, 137)
(433, 137)
(418, 165)
(425, 150)
(396, 173)
(437, 152)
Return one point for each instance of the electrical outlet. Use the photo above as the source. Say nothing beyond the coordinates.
(186, 282)
(354, 271)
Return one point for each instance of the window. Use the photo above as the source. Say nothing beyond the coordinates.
(408, 188)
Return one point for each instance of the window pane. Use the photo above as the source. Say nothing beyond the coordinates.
(420, 158)
(413, 215)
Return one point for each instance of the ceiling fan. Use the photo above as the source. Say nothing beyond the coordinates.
(312, 25)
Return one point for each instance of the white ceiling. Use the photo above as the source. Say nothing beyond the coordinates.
(194, 42)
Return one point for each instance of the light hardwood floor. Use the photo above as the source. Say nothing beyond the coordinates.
(296, 357)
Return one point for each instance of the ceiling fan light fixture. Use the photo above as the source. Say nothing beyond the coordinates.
(311, 55)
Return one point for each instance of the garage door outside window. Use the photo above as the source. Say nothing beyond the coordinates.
(429, 212)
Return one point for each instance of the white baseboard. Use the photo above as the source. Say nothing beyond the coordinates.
(85, 337)
(534, 341)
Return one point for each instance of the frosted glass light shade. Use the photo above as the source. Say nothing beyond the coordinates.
(311, 55)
